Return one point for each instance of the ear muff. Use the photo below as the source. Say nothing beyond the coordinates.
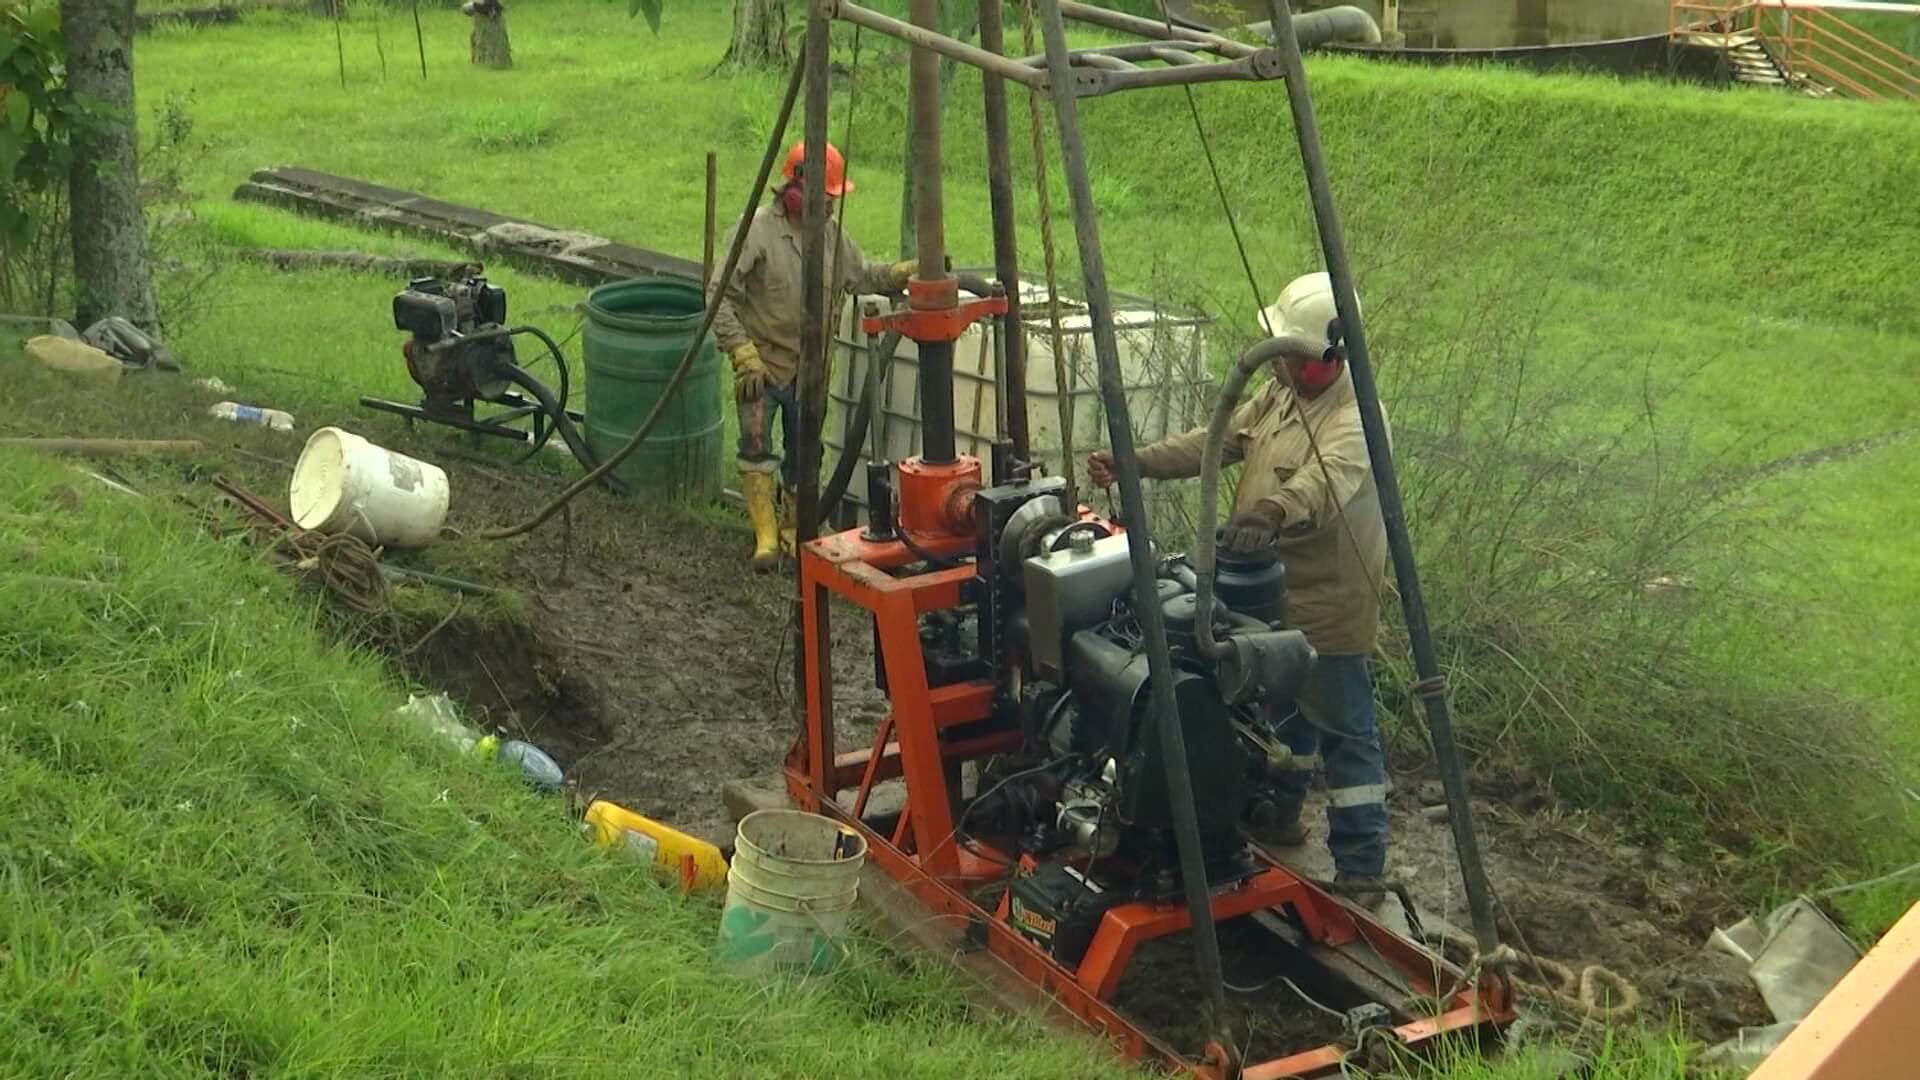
(1336, 341)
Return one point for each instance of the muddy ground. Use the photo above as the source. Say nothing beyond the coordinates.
(653, 670)
(636, 647)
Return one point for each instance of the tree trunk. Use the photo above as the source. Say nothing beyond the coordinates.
(490, 46)
(759, 35)
(110, 270)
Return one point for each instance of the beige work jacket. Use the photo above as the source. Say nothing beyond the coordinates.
(763, 302)
(1335, 570)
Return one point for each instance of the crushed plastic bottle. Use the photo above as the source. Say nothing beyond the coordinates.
(437, 714)
(250, 414)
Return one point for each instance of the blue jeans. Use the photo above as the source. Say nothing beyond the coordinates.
(1333, 726)
(756, 430)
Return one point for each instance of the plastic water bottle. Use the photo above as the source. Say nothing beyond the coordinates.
(250, 414)
(539, 770)
(535, 766)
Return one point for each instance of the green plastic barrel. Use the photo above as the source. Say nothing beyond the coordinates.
(636, 333)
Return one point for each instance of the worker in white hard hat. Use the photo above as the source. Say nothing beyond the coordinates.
(1312, 497)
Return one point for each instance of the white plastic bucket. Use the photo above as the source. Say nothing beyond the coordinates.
(343, 483)
(790, 893)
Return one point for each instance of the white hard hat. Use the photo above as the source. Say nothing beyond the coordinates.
(1304, 309)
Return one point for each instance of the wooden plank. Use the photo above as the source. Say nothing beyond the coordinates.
(568, 254)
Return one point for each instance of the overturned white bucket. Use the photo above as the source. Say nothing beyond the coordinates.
(343, 483)
(790, 893)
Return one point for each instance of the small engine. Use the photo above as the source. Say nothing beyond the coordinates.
(442, 316)
(460, 351)
(1058, 612)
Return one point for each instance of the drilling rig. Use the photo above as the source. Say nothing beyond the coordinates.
(1103, 691)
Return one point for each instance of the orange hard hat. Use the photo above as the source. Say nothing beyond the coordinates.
(837, 182)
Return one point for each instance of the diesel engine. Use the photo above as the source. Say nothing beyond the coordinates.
(1086, 805)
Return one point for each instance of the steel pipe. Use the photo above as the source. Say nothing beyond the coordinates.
(1426, 661)
(1012, 397)
(937, 42)
(1262, 65)
(1138, 50)
(1149, 28)
(1344, 23)
(1173, 746)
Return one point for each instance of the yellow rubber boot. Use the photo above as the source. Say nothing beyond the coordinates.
(757, 487)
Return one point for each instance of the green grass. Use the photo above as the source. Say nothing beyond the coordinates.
(222, 856)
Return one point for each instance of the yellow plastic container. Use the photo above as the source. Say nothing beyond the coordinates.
(667, 848)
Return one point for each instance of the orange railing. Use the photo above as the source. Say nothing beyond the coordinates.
(1812, 42)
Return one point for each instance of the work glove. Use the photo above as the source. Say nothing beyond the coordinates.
(1252, 530)
(1100, 468)
(749, 374)
(899, 272)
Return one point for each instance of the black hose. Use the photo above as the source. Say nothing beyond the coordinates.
(938, 562)
(566, 391)
(775, 141)
(564, 425)
(856, 434)
(1255, 358)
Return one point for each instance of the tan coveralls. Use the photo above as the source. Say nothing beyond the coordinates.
(1334, 574)
(1331, 578)
(763, 305)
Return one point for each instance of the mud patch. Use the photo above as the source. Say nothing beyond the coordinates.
(1266, 1018)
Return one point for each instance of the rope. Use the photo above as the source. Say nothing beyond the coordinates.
(1596, 993)
(347, 567)
(1036, 124)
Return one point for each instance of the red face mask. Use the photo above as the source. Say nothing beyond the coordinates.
(1316, 375)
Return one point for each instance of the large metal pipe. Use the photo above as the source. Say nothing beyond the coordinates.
(1012, 395)
(1316, 28)
(923, 98)
(1173, 746)
(811, 380)
(1431, 685)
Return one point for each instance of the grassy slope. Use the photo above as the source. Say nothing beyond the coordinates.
(1735, 244)
(222, 857)
(195, 882)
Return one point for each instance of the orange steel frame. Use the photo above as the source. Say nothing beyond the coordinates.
(917, 741)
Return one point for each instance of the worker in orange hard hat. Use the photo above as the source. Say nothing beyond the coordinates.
(758, 324)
